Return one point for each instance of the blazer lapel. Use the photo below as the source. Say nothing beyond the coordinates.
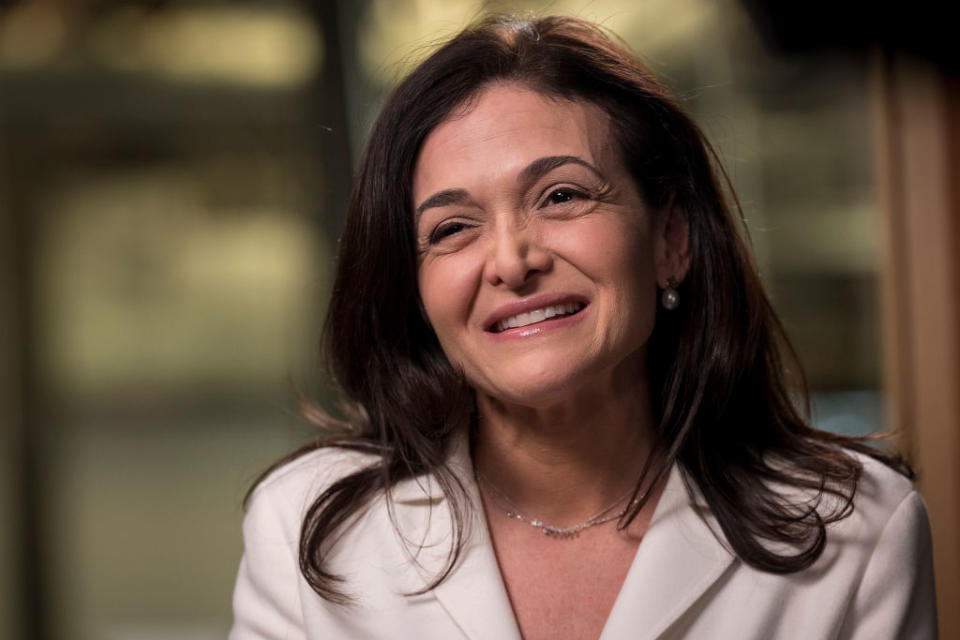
(677, 561)
(473, 594)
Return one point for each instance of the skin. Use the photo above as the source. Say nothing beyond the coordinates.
(565, 420)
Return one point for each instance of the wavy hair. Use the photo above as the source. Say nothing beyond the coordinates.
(717, 368)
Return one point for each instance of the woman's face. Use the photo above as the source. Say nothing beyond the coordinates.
(538, 259)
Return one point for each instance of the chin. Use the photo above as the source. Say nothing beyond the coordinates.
(538, 392)
(547, 382)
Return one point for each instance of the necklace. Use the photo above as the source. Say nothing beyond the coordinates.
(510, 508)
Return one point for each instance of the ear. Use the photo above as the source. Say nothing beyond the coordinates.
(672, 244)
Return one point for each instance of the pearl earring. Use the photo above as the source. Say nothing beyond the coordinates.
(671, 297)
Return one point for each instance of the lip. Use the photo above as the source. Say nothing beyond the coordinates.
(530, 304)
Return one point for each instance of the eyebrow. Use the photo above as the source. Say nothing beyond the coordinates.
(542, 166)
(442, 199)
(530, 174)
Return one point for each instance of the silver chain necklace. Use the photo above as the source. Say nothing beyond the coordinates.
(510, 508)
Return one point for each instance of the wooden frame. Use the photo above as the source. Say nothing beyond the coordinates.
(918, 145)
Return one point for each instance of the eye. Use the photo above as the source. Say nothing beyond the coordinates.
(563, 196)
(446, 230)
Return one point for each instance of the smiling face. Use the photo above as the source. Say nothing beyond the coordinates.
(539, 260)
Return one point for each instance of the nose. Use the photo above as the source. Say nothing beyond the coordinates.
(516, 255)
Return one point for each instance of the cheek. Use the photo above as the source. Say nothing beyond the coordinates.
(637, 272)
(447, 289)
(620, 254)
(620, 258)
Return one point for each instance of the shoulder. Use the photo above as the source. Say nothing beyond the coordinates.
(888, 526)
(323, 465)
(267, 595)
(882, 493)
(289, 490)
(856, 515)
(889, 532)
(872, 579)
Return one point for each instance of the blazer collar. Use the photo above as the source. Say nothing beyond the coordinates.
(678, 560)
(681, 556)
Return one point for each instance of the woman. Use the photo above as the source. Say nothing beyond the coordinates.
(567, 413)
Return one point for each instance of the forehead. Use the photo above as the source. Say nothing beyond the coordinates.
(505, 127)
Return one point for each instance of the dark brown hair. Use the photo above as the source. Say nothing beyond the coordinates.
(716, 366)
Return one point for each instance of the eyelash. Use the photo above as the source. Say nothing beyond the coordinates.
(447, 229)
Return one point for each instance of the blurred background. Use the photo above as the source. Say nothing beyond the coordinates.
(172, 183)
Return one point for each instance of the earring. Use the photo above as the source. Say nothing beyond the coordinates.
(671, 297)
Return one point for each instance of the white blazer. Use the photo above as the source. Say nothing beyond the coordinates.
(874, 580)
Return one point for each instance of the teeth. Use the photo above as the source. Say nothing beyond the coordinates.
(537, 315)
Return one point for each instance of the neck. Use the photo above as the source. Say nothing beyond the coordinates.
(564, 462)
